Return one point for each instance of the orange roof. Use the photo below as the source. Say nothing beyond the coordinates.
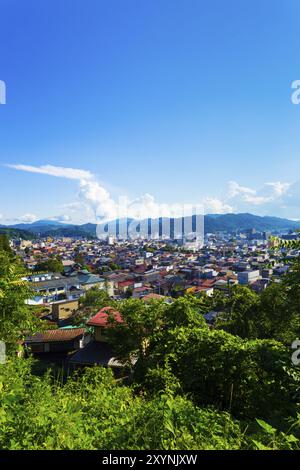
(151, 296)
(208, 283)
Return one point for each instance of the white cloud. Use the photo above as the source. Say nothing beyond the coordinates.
(268, 193)
(216, 206)
(95, 202)
(28, 218)
(272, 198)
(255, 200)
(91, 191)
(146, 206)
(72, 206)
(60, 218)
(278, 188)
(236, 189)
(58, 171)
(98, 198)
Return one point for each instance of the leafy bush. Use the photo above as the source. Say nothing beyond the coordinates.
(92, 411)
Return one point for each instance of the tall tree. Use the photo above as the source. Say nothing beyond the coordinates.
(52, 264)
(16, 318)
(241, 314)
(4, 244)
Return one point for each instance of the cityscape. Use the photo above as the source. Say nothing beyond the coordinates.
(149, 231)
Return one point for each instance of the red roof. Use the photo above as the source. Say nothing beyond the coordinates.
(125, 284)
(102, 317)
(140, 269)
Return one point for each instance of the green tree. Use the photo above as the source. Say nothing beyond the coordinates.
(141, 320)
(274, 314)
(39, 413)
(248, 378)
(241, 314)
(4, 244)
(185, 311)
(114, 266)
(16, 318)
(52, 264)
(95, 298)
(128, 292)
(93, 301)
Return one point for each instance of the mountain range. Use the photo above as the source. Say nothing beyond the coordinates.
(213, 223)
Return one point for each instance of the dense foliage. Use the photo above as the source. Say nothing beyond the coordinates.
(232, 386)
(275, 314)
(92, 411)
(16, 317)
(52, 264)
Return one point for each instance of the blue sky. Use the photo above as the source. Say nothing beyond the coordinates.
(164, 101)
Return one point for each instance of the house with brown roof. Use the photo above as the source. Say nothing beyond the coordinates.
(61, 340)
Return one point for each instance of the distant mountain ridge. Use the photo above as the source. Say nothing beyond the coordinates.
(246, 221)
(38, 225)
(213, 223)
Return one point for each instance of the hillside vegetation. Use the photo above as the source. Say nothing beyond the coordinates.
(193, 387)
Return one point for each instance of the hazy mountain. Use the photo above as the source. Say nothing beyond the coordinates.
(213, 223)
(235, 222)
(39, 225)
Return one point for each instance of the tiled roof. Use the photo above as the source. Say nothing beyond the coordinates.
(125, 283)
(56, 335)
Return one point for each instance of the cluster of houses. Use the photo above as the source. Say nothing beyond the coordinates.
(137, 268)
(140, 269)
(79, 346)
